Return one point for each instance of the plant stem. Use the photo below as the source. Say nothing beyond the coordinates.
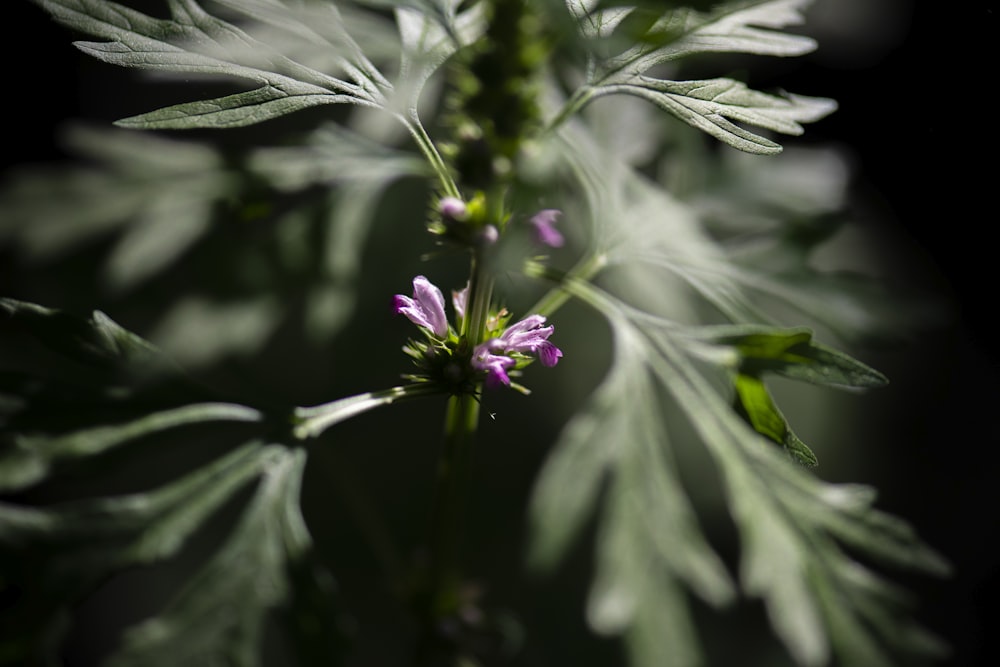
(577, 101)
(447, 519)
(427, 147)
(552, 300)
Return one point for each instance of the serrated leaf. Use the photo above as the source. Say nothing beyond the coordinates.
(194, 41)
(159, 195)
(734, 27)
(239, 110)
(710, 105)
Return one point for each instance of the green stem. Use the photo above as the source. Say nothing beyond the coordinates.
(444, 573)
(478, 303)
(448, 514)
(427, 147)
(552, 300)
(581, 96)
(312, 421)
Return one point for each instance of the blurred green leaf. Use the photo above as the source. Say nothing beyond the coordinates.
(30, 458)
(61, 553)
(220, 613)
(98, 342)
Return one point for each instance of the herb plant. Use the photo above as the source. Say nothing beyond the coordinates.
(487, 185)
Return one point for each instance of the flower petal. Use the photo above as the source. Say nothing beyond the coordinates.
(426, 308)
(544, 224)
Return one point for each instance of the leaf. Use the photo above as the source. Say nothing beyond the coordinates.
(220, 613)
(649, 544)
(794, 354)
(98, 342)
(429, 39)
(193, 41)
(159, 194)
(64, 551)
(755, 403)
(710, 105)
(30, 458)
(819, 599)
(239, 110)
(734, 27)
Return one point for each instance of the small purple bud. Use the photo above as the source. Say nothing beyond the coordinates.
(544, 224)
(452, 208)
(489, 235)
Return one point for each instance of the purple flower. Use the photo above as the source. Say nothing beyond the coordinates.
(426, 308)
(527, 337)
(495, 365)
(544, 224)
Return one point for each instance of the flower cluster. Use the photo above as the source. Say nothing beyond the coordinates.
(447, 358)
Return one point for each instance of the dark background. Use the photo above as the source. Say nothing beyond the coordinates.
(915, 111)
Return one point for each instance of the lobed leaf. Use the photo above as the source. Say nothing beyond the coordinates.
(820, 600)
(711, 105)
(733, 27)
(220, 613)
(193, 41)
(80, 543)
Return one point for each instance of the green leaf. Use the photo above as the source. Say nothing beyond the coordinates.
(712, 104)
(31, 458)
(734, 27)
(241, 109)
(649, 543)
(794, 354)
(755, 403)
(219, 616)
(820, 600)
(193, 41)
(62, 552)
(98, 342)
